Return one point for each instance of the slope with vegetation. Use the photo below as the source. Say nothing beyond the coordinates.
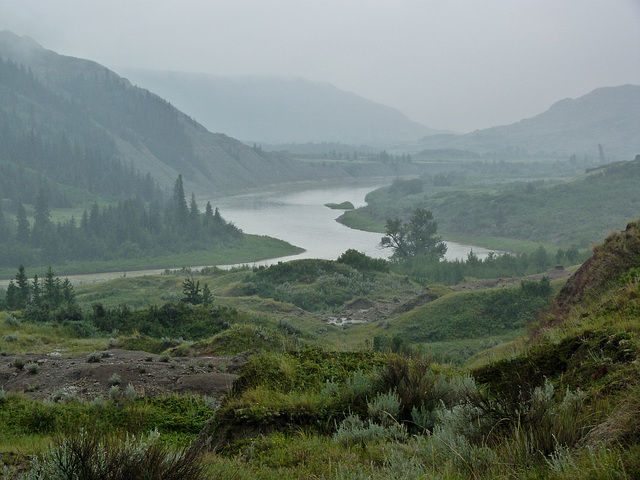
(561, 214)
(559, 402)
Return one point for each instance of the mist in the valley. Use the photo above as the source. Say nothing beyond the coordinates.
(457, 66)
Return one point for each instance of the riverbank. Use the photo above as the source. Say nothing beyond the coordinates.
(255, 248)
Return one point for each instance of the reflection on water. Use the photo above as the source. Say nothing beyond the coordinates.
(302, 219)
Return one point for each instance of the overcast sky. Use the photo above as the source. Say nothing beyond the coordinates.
(449, 64)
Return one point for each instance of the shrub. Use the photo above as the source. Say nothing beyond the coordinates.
(10, 337)
(130, 393)
(33, 368)
(384, 408)
(94, 357)
(114, 379)
(353, 431)
(11, 320)
(89, 456)
(18, 363)
(114, 391)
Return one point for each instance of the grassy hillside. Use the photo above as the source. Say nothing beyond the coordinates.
(556, 397)
(560, 214)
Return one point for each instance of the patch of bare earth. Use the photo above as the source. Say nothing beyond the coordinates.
(57, 375)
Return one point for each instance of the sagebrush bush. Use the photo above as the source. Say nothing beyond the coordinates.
(130, 393)
(32, 368)
(94, 357)
(384, 408)
(353, 431)
(88, 456)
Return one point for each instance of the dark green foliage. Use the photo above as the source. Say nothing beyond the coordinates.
(128, 229)
(363, 262)
(452, 272)
(309, 284)
(579, 360)
(414, 238)
(48, 300)
(192, 294)
(311, 369)
(171, 320)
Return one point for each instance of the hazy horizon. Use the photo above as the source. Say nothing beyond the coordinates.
(458, 65)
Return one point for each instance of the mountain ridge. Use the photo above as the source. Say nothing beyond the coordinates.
(606, 116)
(148, 132)
(271, 109)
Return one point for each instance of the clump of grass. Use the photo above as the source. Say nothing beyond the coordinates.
(114, 379)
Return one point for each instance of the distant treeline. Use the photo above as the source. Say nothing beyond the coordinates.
(128, 229)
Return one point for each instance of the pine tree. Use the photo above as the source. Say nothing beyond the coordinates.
(191, 291)
(12, 298)
(36, 291)
(41, 232)
(180, 209)
(4, 230)
(24, 289)
(22, 234)
(207, 296)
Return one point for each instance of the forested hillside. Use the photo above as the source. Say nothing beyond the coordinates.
(55, 96)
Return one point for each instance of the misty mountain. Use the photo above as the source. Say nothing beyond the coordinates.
(608, 116)
(54, 102)
(280, 110)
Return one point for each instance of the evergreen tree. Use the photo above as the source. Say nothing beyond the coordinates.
(51, 289)
(4, 229)
(191, 291)
(194, 212)
(180, 209)
(36, 291)
(12, 299)
(68, 293)
(24, 289)
(22, 233)
(207, 296)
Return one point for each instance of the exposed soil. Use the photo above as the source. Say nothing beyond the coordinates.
(58, 375)
(553, 274)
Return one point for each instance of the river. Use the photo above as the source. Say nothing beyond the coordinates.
(298, 215)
